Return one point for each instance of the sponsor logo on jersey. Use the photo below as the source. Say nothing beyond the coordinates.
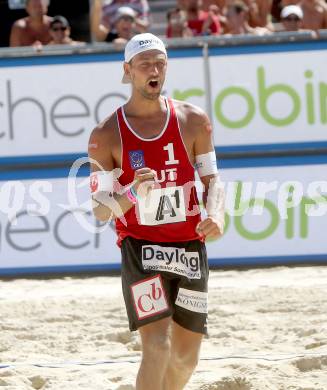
(136, 159)
(192, 300)
(174, 260)
(149, 297)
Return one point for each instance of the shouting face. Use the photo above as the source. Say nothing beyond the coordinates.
(147, 72)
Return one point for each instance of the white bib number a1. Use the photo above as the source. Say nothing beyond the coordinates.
(162, 205)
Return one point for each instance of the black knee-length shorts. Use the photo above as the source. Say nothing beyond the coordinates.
(165, 279)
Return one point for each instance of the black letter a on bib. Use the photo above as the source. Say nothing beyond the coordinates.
(165, 208)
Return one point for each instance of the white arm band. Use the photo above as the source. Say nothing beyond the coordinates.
(215, 206)
(102, 181)
(103, 184)
(206, 164)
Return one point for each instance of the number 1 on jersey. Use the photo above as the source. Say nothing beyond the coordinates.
(171, 156)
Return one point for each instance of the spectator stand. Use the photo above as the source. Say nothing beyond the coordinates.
(158, 18)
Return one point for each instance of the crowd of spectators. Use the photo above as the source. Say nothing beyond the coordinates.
(208, 17)
(116, 21)
(237, 17)
(38, 29)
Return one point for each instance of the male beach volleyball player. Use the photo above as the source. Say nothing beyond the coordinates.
(155, 143)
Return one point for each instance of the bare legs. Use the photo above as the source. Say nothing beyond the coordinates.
(169, 356)
(184, 356)
(155, 355)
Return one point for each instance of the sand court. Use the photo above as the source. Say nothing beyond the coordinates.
(267, 330)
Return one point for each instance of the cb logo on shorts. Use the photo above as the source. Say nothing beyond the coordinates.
(149, 297)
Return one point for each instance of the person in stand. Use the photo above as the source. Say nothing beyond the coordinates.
(103, 16)
(177, 24)
(237, 20)
(124, 27)
(34, 30)
(291, 18)
(198, 21)
(314, 14)
(60, 32)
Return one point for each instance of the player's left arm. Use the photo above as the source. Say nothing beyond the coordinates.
(214, 196)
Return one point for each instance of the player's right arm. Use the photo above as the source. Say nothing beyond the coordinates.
(110, 199)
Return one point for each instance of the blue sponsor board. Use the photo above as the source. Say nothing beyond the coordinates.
(51, 115)
(55, 243)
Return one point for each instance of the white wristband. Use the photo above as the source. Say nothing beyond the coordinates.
(102, 181)
(206, 164)
(103, 186)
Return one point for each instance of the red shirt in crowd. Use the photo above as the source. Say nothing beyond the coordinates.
(196, 25)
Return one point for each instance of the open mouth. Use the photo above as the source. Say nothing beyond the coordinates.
(153, 83)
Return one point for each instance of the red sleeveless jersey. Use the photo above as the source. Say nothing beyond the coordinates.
(171, 211)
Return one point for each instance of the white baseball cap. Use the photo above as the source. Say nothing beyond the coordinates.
(291, 10)
(139, 44)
